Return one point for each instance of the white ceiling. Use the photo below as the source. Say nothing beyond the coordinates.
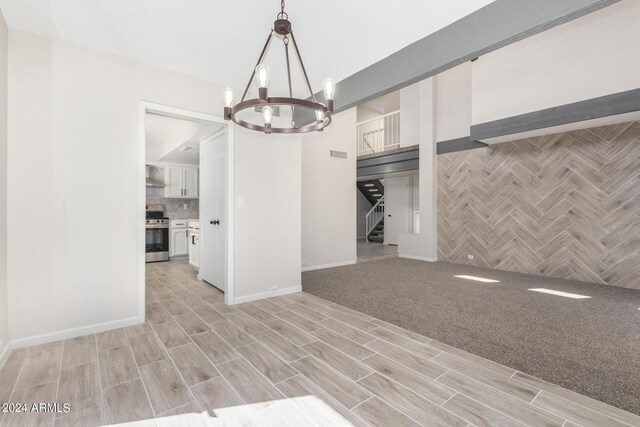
(220, 41)
(166, 136)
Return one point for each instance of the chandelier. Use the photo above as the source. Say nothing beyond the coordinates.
(266, 103)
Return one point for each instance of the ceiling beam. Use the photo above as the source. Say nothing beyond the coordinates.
(589, 109)
(496, 25)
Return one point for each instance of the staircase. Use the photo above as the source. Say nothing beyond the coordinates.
(373, 191)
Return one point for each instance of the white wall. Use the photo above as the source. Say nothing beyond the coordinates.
(425, 244)
(75, 210)
(365, 114)
(454, 103)
(329, 194)
(583, 59)
(4, 334)
(268, 227)
(415, 201)
(73, 181)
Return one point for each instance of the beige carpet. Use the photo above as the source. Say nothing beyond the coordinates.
(591, 346)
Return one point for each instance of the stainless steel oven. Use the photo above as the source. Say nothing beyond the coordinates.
(157, 234)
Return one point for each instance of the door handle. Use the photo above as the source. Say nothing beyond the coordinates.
(193, 240)
(389, 215)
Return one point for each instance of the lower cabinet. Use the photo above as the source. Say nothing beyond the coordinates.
(194, 243)
(178, 238)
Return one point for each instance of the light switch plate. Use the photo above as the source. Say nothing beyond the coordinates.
(241, 202)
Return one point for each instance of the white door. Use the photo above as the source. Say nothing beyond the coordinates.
(213, 220)
(397, 208)
(190, 182)
(173, 181)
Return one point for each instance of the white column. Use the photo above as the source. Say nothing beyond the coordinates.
(409, 112)
(424, 246)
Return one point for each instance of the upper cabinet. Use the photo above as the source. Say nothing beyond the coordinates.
(190, 182)
(181, 182)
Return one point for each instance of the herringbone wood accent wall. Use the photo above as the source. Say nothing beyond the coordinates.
(564, 205)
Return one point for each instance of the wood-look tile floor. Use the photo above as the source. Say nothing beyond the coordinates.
(295, 360)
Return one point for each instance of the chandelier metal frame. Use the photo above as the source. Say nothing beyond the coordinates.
(282, 27)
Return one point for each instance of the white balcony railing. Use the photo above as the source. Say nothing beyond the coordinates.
(379, 134)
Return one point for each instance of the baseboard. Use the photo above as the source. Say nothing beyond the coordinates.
(5, 348)
(263, 295)
(419, 258)
(73, 333)
(323, 266)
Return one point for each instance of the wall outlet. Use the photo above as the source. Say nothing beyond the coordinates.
(273, 290)
(470, 257)
(185, 206)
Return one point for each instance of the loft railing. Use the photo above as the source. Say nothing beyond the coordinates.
(379, 134)
(374, 216)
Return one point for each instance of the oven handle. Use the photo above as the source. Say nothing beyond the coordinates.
(156, 226)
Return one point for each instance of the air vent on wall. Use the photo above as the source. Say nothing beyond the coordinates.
(342, 155)
(186, 149)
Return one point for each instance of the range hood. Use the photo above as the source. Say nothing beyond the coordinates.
(150, 182)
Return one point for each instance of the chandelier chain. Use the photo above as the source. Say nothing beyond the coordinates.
(282, 14)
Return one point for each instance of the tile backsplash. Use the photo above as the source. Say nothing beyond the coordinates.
(173, 208)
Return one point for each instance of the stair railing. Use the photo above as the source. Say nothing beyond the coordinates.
(369, 148)
(379, 134)
(374, 216)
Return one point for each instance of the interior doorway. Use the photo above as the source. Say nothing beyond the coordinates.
(387, 208)
(371, 242)
(210, 181)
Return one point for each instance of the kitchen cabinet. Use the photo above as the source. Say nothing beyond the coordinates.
(178, 238)
(194, 243)
(181, 182)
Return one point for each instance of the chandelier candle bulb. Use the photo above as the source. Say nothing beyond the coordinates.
(228, 102)
(262, 74)
(329, 88)
(320, 118)
(267, 113)
(228, 97)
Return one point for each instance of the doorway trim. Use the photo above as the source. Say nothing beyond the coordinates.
(145, 107)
